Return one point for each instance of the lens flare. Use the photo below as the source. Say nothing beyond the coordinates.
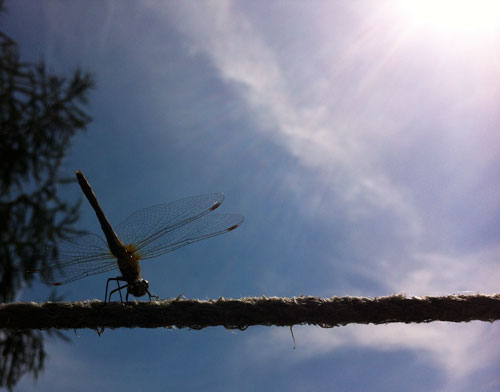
(454, 16)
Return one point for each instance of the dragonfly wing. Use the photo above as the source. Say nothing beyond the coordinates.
(78, 271)
(205, 227)
(77, 258)
(146, 225)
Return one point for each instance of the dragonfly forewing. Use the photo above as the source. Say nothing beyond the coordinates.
(205, 227)
(146, 225)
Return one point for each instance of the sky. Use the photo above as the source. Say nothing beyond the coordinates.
(360, 141)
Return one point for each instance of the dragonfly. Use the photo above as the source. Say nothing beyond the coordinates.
(147, 233)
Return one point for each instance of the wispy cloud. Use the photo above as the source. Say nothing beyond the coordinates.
(326, 130)
(456, 351)
(440, 273)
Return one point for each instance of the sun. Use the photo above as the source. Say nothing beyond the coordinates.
(454, 16)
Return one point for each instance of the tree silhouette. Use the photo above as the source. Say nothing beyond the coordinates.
(39, 114)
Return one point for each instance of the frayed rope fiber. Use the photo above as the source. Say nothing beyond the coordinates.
(245, 312)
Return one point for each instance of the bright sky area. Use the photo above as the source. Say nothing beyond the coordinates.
(360, 140)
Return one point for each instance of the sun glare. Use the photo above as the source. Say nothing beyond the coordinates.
(455, 16)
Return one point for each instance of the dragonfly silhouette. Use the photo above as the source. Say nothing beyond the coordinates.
(145, 234)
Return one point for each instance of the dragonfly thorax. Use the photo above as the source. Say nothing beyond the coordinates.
(128, 262)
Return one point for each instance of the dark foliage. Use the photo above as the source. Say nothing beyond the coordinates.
(22, 352)
(39, 114)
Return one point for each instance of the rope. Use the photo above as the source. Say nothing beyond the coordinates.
(245, 312)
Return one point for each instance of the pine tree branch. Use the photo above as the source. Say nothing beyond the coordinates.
(245, 312)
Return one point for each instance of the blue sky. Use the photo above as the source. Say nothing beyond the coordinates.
(359, 140)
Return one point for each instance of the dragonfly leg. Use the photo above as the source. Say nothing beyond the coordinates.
(100, 330)
(151, 296)
(117, 280)
(106, 293)
(119, 289)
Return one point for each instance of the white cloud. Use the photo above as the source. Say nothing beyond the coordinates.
(438, 273)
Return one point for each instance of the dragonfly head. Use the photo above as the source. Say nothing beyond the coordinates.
(139, 287)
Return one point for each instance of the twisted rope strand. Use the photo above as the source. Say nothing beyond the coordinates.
(245, 312)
